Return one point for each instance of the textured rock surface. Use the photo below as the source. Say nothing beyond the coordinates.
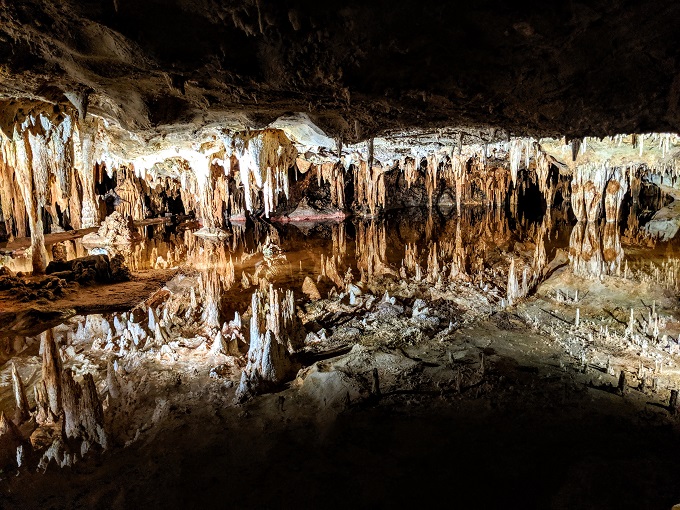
(357, 68)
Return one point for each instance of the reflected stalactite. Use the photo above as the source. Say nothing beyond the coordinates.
(371, 247)
(339, 235)
(459, 255)
(214, 284)
(585, 250)
(612, 252)
(595, 251)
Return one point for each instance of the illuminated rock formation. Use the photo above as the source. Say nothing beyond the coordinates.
(274, 335)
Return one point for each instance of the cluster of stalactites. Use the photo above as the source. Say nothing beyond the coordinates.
(452, 168)
(543, 165)
(37, 165)
(369, 185)
(410, 167)
(460, 173)
(334, 175)
(264, 160)
(520, 149)
(524, 151)
(47, 170)
(596, 185)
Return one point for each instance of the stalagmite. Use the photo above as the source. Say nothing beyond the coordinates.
(219, 346)
(631, 324)
(112, 382)
(622, 382)
(71, 396)
(274, 333)
(83, 414)
(310, 290)
(21, 402)
(10, 441)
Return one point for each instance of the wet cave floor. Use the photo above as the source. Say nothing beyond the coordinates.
(417, 383)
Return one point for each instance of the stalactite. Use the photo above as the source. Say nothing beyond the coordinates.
(334, 175)
(84, 163)
(543, 167)
(597, 184)
(431, 177)
(587, 189)
(614, 192)
(131, 195)
(515, 155)
(410, 168)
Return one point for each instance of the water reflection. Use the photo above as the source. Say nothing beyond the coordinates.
(476, 245)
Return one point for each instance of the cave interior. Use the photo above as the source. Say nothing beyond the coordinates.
(270, 254)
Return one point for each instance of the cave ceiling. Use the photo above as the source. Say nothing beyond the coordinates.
(358, 69)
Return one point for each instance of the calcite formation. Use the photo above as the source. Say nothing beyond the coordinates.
(274, 335)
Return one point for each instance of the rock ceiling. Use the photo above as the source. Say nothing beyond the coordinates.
(358, 69)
